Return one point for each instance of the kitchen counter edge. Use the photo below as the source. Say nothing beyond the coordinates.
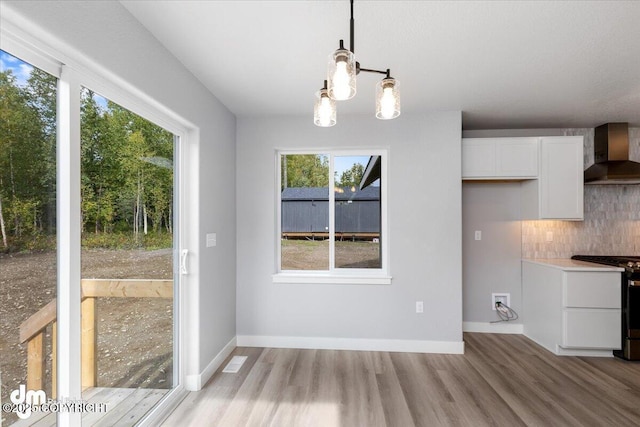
(568, 264)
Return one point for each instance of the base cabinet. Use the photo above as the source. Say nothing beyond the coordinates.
(572, 312)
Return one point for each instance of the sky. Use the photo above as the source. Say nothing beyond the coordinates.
(342, 163)
(22, 71)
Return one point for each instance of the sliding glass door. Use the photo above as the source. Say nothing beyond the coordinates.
(128, 221)
(28, 232)
(89, 228)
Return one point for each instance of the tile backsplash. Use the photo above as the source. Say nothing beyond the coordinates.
(611, 223)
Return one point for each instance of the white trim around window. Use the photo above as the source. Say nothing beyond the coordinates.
(334, 275)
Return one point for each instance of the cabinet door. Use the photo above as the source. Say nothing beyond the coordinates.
(592, 289)
(478, 158)
(561, 178)
(591, 328)
(517, 157)
(499, 158)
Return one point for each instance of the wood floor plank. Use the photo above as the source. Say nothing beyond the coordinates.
(275, 387)
(394, 405)
(212, 401)
(425, 398)
(514, 384)
(477, 403)
(501, 380)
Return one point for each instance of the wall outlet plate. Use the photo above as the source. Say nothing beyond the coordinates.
(504, 298)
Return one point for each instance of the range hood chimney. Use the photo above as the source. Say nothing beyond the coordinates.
(612, 164)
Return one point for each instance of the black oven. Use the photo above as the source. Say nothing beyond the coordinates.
(630, 319)
(630, 290)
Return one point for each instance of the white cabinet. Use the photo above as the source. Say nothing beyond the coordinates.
(499, 158)
(571, 312)
(590, 328)
(562, 177)
(551, 170)
(559, 191)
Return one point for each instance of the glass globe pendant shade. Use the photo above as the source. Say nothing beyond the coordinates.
(342, 75)
(324, 109)
(387, 99)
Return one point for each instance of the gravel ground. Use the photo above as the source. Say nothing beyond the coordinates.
(314, 255)
(134, 334)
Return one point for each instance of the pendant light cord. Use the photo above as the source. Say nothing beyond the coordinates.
(352, 25)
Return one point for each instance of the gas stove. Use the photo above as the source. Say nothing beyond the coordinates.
(631, 264)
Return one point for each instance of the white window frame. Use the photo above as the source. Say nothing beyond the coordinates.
(334, 275)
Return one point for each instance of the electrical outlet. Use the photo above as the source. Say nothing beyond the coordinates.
(419, 307)
(478, 235)
(503, 298)
(549, 236)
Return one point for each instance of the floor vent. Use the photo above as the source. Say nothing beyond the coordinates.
(234, 364)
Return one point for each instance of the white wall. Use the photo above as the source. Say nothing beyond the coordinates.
(490, 265)
(424, 222)
(107, 35)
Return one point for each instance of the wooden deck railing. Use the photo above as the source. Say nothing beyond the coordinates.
(32, 330)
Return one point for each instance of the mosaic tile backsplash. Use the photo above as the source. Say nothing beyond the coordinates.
(611, 223)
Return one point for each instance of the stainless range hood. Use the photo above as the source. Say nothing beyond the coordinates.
(612, 164)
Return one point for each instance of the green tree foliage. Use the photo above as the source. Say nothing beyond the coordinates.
(351, 177)
(305, 170)
(27, 165)
(126, 166)
(127, 171)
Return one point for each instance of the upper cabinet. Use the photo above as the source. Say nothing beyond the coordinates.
(499, 158)
(551, 169)
(558, 193)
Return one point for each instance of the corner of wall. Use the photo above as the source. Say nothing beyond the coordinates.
(196, 381)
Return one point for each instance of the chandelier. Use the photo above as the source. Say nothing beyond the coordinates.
(341, 85)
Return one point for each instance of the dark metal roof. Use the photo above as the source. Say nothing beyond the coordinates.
(346, 193)
(305, 193)
(372, 172)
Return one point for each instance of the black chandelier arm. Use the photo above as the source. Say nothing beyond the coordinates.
(369, 70)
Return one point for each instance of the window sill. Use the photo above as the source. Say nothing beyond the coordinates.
(330, 279)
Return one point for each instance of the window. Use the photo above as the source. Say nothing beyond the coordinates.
(332, 216)
(28, 232)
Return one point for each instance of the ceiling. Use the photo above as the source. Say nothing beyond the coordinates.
(504, 64)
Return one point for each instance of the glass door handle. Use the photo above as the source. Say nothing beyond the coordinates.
(183, 261)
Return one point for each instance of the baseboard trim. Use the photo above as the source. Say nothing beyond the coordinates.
(492, 328)
(560, 351)
(195, 382)
(358, 344)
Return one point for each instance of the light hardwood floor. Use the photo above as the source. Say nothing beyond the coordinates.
(501, 380)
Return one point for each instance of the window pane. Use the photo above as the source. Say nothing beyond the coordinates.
(357, 211)
(28, 253)
(127, 253)
(305, 211)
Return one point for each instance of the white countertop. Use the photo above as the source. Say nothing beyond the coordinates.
(568, 264)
